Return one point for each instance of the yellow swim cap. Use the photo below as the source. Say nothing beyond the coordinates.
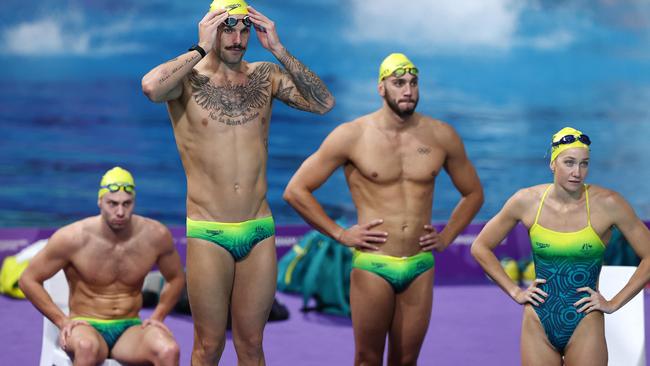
(393, 62)
(116, 176)
(233, 7)
(568, 138)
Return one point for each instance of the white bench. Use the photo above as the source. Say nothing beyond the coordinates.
(625, 329)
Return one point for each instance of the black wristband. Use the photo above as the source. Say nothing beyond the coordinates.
(199, 49)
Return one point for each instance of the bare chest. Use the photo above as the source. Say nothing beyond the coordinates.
(222, 103)
(104, 265)
(406, 160)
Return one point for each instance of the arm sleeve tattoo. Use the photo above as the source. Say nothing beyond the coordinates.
(309, 85)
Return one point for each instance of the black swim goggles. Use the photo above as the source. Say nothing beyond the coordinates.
(232, 21)
(401, 71)
(114, 187)
(569, 139)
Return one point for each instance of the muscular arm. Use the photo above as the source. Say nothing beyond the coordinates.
(311, 175)
(492, 235)
(165, 82)
(52, 258)
(464, 177)
(299, 87)
(169, 264)
(638, 235)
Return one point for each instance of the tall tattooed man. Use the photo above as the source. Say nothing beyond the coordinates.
(220, 108)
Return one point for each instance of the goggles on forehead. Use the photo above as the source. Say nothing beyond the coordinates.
(232, 21)
(401, 71)
(569, 139)
(114, 187)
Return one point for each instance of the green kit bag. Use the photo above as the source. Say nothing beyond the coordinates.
(318, 267)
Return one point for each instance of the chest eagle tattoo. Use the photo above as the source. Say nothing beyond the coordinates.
(233, 104)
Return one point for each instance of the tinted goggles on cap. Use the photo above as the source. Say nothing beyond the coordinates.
(114, 187)
(401, 71)
(569, 139)
(232, 21)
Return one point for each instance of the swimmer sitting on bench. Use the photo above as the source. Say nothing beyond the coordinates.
(105, 259)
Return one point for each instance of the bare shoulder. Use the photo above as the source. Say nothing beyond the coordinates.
(527, 199)
(348, 133)
(155, 232)
(606, 198)
(264, 67)
(355, 127)
(531, 194)
(255, 64)
(71, 237)
(152, 227)
(440, 129)
(439, 132)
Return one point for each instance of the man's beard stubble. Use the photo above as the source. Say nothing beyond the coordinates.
(394, 106)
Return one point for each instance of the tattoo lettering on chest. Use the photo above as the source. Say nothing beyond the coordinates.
(424, 150)
(233, 104)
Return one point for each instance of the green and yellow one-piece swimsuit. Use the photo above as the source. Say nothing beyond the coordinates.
(567, 261)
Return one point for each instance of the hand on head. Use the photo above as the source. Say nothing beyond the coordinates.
(208, 27)
(266, 31)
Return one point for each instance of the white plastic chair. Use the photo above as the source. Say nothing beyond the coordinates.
(624, 330)
(51, 353)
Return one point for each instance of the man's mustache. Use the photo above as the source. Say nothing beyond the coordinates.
(236, 47)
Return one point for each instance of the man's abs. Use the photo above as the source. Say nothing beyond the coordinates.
(225, 163)
(108, 303)
(404, 207)
(403, 234)
(221, 128)
(226, 203)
